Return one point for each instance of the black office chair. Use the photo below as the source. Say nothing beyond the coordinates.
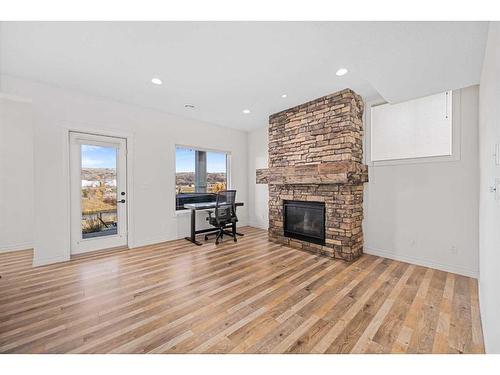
(224, 214)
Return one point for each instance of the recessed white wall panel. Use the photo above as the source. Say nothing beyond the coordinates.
(413, 129)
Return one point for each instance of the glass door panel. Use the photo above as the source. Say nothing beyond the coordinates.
(98, 191)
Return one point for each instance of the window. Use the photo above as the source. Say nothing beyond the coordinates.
(417, 128)
(199, 174)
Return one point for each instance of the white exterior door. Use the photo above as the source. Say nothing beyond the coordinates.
(98, 167)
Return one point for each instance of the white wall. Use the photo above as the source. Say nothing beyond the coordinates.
(427, 213)
(489, 208)
(258, 194)
(154, 136)
(424, 213)
(16, 174)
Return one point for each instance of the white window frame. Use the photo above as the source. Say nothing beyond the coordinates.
(197, 148)
(455, 135)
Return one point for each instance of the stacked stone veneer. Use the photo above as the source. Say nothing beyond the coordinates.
(315, 154)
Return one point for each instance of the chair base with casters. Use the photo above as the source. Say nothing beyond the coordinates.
(220, 234)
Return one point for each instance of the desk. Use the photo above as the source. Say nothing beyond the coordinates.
(202, 206)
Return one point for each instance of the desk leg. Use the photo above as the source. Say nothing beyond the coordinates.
(235, 231)
(192, 238)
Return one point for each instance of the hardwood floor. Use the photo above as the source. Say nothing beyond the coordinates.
(252, 296)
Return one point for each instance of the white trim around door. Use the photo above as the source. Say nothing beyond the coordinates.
(98, 197)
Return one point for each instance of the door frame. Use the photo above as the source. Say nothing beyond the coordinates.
(93, 130)
(80, 244)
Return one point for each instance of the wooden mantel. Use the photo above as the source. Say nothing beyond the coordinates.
(338, 172)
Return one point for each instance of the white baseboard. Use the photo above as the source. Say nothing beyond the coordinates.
(37, 262)
(16, 247)
(256, 224)
(152, 241)
(422, 262)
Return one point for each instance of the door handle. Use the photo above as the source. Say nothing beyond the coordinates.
(121, 201)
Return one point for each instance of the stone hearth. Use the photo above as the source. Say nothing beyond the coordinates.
(315, 154)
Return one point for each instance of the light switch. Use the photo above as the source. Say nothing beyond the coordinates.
(497, 154)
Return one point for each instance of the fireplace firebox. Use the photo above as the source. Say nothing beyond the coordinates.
(304, 221)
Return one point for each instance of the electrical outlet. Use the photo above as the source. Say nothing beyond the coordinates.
(453, 249)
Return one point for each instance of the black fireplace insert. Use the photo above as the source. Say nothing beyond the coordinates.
(304, 221)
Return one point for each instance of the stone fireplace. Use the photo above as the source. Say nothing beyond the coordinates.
(315, 156)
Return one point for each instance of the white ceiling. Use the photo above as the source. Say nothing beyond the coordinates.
(225, 67)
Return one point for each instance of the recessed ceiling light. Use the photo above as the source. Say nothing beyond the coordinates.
(189, 106)
(246, 111)
(284, 96)
(341, 72)
(156, 81)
